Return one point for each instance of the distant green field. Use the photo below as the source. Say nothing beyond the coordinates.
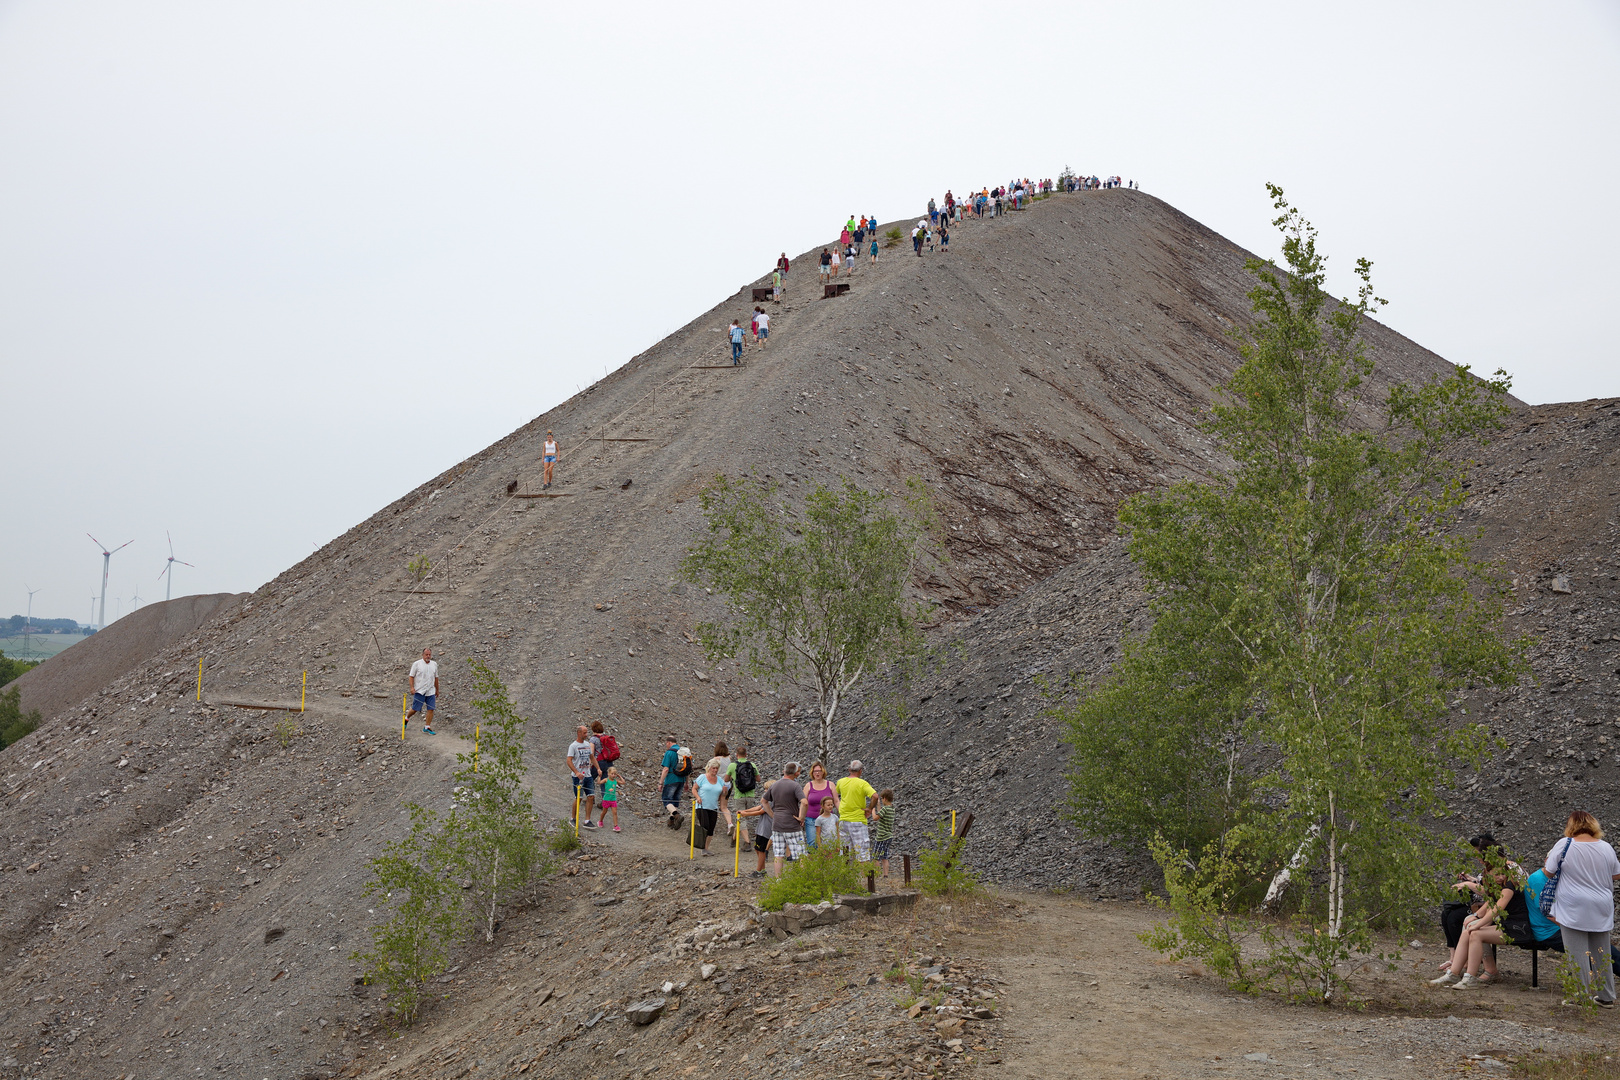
(42, 646)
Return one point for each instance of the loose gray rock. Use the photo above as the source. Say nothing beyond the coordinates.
(642, 1013)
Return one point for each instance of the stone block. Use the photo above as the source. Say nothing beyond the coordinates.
(645, 1012)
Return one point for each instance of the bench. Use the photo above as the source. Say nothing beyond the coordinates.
(1535, 949)
(763, 292)
(835, 288)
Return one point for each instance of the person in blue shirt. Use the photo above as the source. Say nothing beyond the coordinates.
(708, 788)
(670, 780)
(1546, 931)
(736, 342)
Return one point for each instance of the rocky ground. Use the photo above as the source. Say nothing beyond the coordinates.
(153, 846)
(981, 739)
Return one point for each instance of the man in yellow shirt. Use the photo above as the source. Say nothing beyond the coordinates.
(856, 798)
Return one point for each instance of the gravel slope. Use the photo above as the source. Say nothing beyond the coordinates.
(1049, 366)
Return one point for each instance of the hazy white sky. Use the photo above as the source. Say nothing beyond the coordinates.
(266, 266)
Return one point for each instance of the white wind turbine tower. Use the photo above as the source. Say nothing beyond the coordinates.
(168, 569)
(28, 627)
(106, 566)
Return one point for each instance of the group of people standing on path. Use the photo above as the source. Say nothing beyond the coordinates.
(853, 240)
(784, 818)
(1094, 183)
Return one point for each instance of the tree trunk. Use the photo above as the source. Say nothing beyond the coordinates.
(824, 737)
(494, 876)
(1285, 876)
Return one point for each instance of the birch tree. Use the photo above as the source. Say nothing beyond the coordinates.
(817, 595)
(1315, 608)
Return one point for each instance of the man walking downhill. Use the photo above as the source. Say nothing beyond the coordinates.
(423, 680)
(582, 763)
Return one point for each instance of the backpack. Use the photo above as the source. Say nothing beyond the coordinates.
(1549, 892)
(683, 767)
(747, 776)
(610, 749)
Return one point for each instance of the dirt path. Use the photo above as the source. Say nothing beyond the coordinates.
(1086, 998)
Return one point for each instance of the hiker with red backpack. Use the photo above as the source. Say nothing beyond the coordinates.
(606, 752)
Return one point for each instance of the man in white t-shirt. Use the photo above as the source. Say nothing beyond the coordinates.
(424, 683)
(763, 319)
(581, 762)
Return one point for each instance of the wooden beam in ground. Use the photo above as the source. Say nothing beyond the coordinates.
(543, 495)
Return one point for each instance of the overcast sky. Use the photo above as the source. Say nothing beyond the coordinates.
(266, 266)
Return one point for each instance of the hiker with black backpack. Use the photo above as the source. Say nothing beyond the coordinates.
(743, 779)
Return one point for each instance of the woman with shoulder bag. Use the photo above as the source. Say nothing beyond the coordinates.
(1581, 871)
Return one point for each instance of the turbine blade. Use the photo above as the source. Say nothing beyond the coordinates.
(165, 571)
(171, 542)
(122, 546)
(96, 542)
(183, 562)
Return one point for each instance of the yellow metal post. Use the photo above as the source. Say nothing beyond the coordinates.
(692, 844)
(953, 822)
(576, 812)
(403, 703)
(736, 858)
(303, 688)
(199, 678)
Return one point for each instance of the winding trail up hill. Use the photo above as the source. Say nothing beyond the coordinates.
(182, 889)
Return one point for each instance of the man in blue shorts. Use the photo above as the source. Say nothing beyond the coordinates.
(582, 763)
(424, 683)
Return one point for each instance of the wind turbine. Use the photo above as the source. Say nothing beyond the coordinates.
(168, 569)
(106, 566)
(135, 601)
(28, 627)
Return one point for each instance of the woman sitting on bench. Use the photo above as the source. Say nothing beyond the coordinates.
(1480, 928)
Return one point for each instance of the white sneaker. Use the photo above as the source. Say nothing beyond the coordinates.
(1445, 980)
(1467, 982)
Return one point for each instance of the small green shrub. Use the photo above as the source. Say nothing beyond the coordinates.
(562, 840)
(287, 730)
(821, 874)
(893, 237)
(941, 870)
(1569, 980)
(419, 568)
(14, 723)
